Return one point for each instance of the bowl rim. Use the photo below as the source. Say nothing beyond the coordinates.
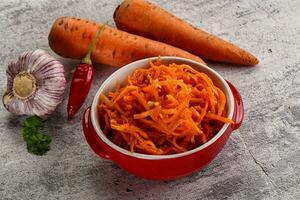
(99, 132)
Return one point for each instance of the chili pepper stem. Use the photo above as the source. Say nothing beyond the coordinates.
(87, 59)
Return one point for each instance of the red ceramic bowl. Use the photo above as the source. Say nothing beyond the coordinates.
(162, 167)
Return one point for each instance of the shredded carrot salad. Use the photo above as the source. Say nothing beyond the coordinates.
(163, 110)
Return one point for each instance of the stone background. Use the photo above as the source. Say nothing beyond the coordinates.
(261, 159)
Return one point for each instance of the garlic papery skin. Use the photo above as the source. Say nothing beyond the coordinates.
(35, 84)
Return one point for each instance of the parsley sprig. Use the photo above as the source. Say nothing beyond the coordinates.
(37, 142)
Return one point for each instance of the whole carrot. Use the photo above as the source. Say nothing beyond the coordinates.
(82, 80)
(70, 37)
(146, 19)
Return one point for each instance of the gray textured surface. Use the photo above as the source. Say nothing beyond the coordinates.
(260, 161)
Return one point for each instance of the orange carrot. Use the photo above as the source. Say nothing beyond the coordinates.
(70, 37)
(146, 19)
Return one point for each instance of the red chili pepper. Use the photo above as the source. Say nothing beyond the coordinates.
(82, 80)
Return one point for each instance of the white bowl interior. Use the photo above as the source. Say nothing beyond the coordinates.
(121, 76)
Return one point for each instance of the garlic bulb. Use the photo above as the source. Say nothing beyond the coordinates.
(35, 84)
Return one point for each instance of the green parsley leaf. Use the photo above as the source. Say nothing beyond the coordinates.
(37, 142)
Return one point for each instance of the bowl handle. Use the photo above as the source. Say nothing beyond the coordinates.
(91, 136)
(238, 114)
